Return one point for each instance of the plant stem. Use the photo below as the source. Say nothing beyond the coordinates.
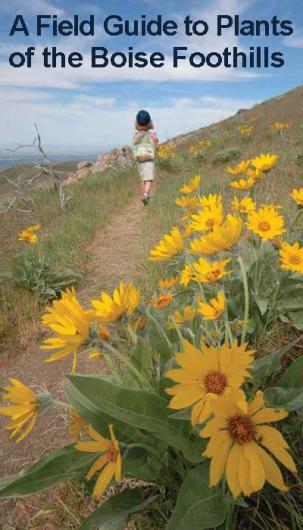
(246, 298)
(124, 359)
(177, 328)
(60, 404)
(164, 335)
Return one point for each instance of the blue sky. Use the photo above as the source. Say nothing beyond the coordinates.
(95, 108)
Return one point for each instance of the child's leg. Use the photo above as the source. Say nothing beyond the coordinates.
(147, 186)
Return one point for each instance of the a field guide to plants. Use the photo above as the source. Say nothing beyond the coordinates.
(151, 265)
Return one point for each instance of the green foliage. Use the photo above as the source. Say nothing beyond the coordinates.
(113, 514)
(227, 156)
(299, 159)
(198, 506)
(35, 273)
(65, 464)
(136, 408)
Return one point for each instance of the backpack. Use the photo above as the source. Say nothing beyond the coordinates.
(144, 148)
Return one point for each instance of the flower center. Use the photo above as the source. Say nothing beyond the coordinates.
(210, 223)
(264, 226)
(112, 454)
(241, 429)
(295, 259)
(213, 274)
(215, 382)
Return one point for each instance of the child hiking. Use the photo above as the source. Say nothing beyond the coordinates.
(144, 145)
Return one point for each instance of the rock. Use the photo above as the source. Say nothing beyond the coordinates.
(84, 164)
(114, 159)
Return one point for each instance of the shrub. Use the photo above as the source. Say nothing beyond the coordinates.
(226, 156)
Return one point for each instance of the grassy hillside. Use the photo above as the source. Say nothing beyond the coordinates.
(27, 171)
(66, 239)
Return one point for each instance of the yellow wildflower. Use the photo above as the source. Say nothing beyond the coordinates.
(167, 151)
(254, 174)
(24, 408)
(239, 169)
(207, 219)
(71, 322)
(297, 195)
(245, 205)
(192, 185)
(164, 300)
(190, 203)
(182, 318)
(77, 424)
(246, 130)
(211, 370)
(237, 433)
(279, 127)
(221, 238)
(266, 223)
(206, 272)
(243, 184)
(264, 162)
(168, 247)
(28, 234)
(291, 257)
(211, 201)
(186, 275)
(125, 300)
(168, 283)
(104, 334)
(214, 309)
(109, 461)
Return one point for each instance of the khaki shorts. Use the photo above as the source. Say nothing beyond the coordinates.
(147, 170)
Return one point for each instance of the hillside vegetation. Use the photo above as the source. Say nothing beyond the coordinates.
(162, 450)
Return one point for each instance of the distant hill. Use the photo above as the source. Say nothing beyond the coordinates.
(29, 170)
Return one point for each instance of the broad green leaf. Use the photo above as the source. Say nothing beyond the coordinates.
(198, 506)
(139, 409)
(67, 463)
(270, 363)
(113, 514)
(262, 304)
(100, 420)
(296, 318)
(293, 377)
(142, 465)
(289, 398)
(293, 301)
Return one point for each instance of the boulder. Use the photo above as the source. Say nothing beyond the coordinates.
(114, 159)
(84, 164)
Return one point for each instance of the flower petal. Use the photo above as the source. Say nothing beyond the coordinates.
(232, 471)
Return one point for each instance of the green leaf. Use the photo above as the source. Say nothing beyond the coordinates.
(113, 514)
(262, 304)
(270, 363)
(289, 398)
(292, 301)
(136, 408)
(297, 319)
(100, 420)
(293, 377)
(198, 506)
(142, 465)
(67, 463)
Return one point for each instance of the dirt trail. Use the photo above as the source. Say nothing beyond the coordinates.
(114, 254)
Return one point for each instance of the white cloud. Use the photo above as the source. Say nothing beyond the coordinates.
(14, 7)
(85, 121)
(69, 78)
(293, 42)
